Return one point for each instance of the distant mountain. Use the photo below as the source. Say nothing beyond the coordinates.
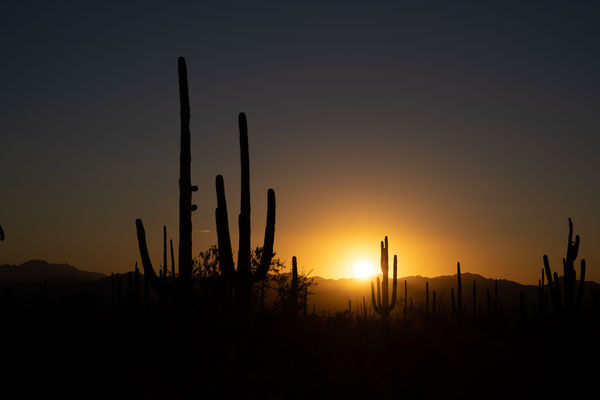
(333, 294)
(38, 270)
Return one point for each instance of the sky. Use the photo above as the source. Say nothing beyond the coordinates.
(464, 131)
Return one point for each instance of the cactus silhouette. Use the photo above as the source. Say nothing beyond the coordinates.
(172, 259)
(243, 277)
(294, 288)
(541, 306)
(426, 297)
(405, 300)
(474, 299)
(381, 305)
(165, 267)
(1, 234)
(572, 295)
(182, 286)
(459, 290)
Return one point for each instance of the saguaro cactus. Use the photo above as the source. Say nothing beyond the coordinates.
(172, 260)
(572, 296)
(405, 300)
(183, 285)
(1, 234)
(426, 297)
(474, 299)
(381, 305)
(165, 267)
(459, 290)
(294, 288)
(243, 278)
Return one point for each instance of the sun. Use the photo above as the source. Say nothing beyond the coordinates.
(363, 269)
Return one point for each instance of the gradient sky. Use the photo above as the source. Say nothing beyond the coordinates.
(463, 132)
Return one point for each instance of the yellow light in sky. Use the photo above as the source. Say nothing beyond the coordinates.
(363, 270)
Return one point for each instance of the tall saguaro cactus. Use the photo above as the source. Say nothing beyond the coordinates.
(243, 277)
(573, 296)
(183, 285)
(381, 305)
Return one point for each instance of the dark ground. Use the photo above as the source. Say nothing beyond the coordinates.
(165, 355)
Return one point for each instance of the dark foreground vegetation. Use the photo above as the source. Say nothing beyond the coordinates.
(215, 328)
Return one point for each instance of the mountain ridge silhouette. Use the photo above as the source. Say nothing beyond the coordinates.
(329, 294)
(37, 270)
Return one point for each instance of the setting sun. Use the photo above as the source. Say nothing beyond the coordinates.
(363, 270)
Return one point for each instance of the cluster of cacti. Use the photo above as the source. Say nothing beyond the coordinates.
(180, 287)
(134, 291)
(382, 304)
(243, 277)
(572, 296)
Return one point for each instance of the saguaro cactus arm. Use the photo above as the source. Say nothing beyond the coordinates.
(373, 299)
(551, 285)
(572, 247)
(267, 253)
(394, 284)
(1, 234)
(158, 284)
(223, 238)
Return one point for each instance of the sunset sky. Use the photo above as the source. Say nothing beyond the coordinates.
(464, 133)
